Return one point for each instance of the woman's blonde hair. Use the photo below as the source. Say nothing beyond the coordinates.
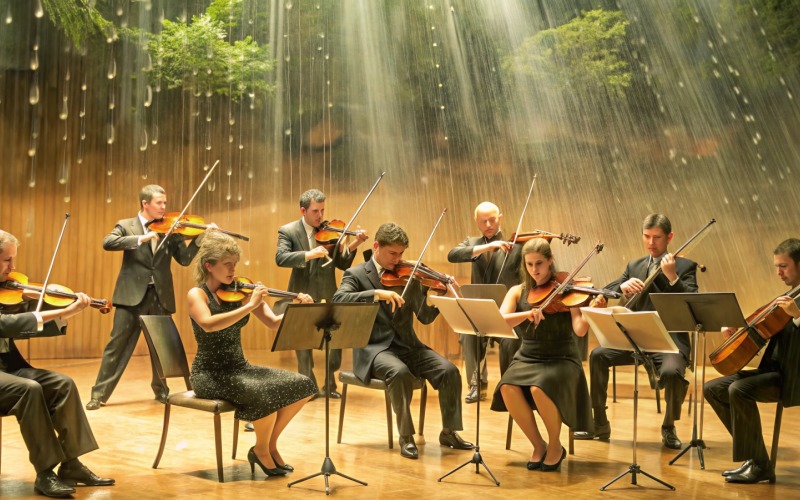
(542, 247)
(215, 247)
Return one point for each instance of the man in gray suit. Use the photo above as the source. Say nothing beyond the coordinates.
(298, 250)
(488, 254)
(47, 404)
(144, 286)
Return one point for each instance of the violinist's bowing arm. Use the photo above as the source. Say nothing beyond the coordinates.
(509, 307)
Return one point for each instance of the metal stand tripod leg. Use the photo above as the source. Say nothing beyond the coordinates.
(476, 459)
(697, 440)
(328, 469)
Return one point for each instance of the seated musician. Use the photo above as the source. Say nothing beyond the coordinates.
(47, 404)
(776, 379)
(394, 353)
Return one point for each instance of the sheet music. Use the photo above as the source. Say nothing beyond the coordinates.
(644, 327)
(484, 313)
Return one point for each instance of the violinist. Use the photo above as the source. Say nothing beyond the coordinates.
(777, 379)
(679, 275)
(546, 373)
(144, 286)
(299, 250)
(267, 397)
(47, 404)
(394, 353)
(487, 253)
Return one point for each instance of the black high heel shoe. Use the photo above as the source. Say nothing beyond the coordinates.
(285, 467)
(556, 466)
(253, 459)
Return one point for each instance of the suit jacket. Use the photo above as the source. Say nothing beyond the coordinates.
(485, 269)
(307, 276)
(139, 264)
(359, 285)
(787, 342)
(19, 325)
(687, 283)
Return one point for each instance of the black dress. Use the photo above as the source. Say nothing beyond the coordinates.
(549, 359)
(220, 371)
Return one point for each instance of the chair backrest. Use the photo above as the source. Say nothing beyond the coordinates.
(166, 347)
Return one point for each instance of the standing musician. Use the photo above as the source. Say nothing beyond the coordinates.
(299, 250)
(394, 354)
(777, 379)
(144, 286)
(47, 404)
(487, 254)
(679, 275)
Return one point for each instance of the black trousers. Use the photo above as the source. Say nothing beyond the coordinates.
(469, 344)
(734, 400)
(305, 364)
(670, 370)
(399, 366)
(124, 336)
(51, 419)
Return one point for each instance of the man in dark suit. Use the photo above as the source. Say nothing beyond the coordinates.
(678, 275)
(489, 253)
(777, 379)
(47, 404)
(394, 353)
(144, 286)
(298, 250)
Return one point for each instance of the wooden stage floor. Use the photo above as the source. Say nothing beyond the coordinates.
(128, 431)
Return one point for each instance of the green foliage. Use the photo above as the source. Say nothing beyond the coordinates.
(79, 20)
(197, 56)
(581, 55)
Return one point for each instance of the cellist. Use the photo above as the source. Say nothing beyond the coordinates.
(777, 379)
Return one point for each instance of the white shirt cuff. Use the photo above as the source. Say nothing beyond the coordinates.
(796, 322)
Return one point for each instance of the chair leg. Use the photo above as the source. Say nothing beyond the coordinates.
(218, 445)
(422, 405)
(614, 384)
(508, 433)
(658, 400)
(1, 443)
(776, 433)
(341, 413)
(571, 442)
(389, 418)
(235, 437)
(167, 407)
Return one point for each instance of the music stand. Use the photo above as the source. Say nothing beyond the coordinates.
(482, 318)
(496, 292)
(305, 322)
(698, 313)
(620, 328)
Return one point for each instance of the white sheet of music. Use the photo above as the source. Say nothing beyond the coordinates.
(483, 313)
(644, 327)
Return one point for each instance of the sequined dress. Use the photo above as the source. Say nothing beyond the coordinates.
(220, 371)
(549, 359)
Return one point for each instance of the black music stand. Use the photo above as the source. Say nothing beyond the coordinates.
(482, 318)
(620, 328)
(309, 327)
(698, 313)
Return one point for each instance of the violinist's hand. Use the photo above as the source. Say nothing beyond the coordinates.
(632, 287)
(789, 305)
(505, 246)
(668, 267)
(316, 253)
(536, 316)
(212, 226)
(150, 235)
(82, 301)
(390, 297)
(258, 297)
(303, 298)
(598, 301)
(728, 331)
(362, 235)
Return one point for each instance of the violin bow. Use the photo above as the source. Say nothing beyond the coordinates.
(353, 218)
(183, 212)
(419, 260)
(566, 282)
(52, 262)
(519, 226)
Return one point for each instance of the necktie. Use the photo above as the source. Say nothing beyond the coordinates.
(653, 267)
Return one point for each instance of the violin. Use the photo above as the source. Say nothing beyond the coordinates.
(742, 346)
(242, 287)
(434, 280)
(330, 232)
(576, 293)
(188, 225)
(18, 288)
(565, 238)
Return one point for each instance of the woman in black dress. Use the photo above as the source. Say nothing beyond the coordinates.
(268, 397)
(546, 374)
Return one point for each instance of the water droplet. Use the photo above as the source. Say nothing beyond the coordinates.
(62, 180)
(9, 19)
(32, 151)
(38, 11)
(148, 64)
(143, 143)
(148, 96)
(289, 5)
(32, 184)
(64, 113)
(144, 176)
(67, 199)
(110, 134)
(108, 200)
(33, 95)
(112, 69)
(35, 61)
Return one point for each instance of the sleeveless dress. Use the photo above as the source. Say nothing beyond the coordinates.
(220, 371)
(549, 359)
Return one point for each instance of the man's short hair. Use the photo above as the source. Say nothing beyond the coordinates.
(657, 220)
(390, 233)
(6, 238)
(314, 195)
(147, 193)
(790, 247)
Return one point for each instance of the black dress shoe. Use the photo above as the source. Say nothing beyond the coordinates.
(48, 484)
(408, 448)
(285, 467)
(670, 438)
(74, 473)
(556, 466)
(454, 441)
(93, 404)
(473, 394)
(737, 470)
(253, 459)
(248, 427)
(752, 474)
(535, 465)
(334, 394)
(601, 432)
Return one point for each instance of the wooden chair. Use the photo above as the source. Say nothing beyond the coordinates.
(776, 433)
(349, 378)
(166, 350)
(570, 446)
